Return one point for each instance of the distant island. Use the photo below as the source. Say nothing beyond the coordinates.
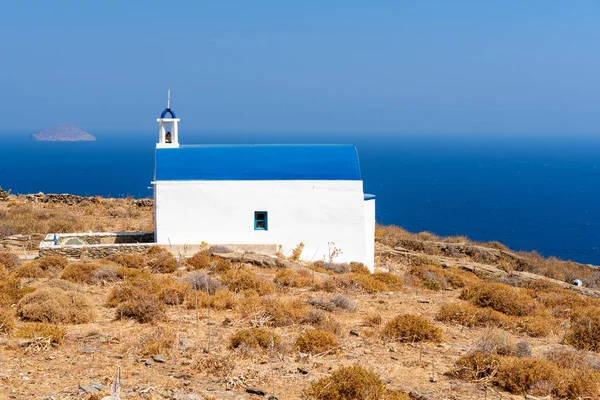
(62, 133)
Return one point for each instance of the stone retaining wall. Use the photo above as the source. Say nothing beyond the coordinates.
(94, 250)
(68, 199)
(21, 242)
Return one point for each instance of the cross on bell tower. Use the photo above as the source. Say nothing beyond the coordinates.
(168, 129)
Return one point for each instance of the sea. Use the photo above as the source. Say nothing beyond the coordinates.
(530, 193)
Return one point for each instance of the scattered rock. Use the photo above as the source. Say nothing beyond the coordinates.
(159, 358)
(88, 389)
(186, 361)
(256, 391)
(353, 332)
(303, 371)
(87, 350)
(424, 301)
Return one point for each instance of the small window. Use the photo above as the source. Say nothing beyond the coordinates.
(260, 220)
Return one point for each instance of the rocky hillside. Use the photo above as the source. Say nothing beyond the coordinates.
(442, 318)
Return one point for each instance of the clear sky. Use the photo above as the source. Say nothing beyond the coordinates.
(475, 67)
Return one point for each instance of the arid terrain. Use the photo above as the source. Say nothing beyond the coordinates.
(442, 318)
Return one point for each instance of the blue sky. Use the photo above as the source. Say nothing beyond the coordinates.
(394, 67)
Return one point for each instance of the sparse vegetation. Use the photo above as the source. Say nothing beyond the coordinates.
(56, 306)
(159, 341)
(32, 330)
(316, 341)
(412, 328)
(348, 383)
(254, 338)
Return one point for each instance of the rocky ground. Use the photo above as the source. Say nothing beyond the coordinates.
(196, 360)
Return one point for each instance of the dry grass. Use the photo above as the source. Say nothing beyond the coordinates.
(244, 280)
(144, 308)
(315, 342)
(500, 297)
(471, 316)
(222, 299)
(292, 278)
(254, 338)
(162, 262)
(9, 260)
(159, 341)
(32, 330)
(7, 321)
(411, 328)
(584, 332)
(81, 272)
(348, 383)
(137, 261)
(56, 306)
(214, 365)
(103, 215)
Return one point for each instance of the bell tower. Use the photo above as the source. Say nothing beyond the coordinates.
(168, 127)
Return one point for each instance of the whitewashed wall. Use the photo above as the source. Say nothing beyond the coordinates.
(312, 212)
(370, 233)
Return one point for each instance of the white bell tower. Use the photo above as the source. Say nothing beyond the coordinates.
(168, 127)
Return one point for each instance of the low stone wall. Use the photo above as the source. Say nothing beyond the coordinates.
(75, 239)
(21, 242)
(94, 250)
(68, 199)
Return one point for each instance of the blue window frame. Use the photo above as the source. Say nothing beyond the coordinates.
(260, 221)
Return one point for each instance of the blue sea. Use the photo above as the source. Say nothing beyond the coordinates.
(529, 193)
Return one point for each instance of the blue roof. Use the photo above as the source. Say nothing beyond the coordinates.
(257, 162)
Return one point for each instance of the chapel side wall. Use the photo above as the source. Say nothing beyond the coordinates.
(312, 212)
(369, 206)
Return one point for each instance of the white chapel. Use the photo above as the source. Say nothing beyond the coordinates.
(262, 197)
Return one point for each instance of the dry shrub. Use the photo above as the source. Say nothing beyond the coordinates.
(163, 262)
(291, 278)
(143, 307)
(215, 365)
(137, 261)
(319, 320)
(200, 260)
(7, 321)
(359, 282)
(502, 298)
(30, 270)
(567, 358)
(12, 290)
(470, 316)
(561, 301)
(126, 273)
(519, 375)
(53, 262)
(9, 260)
(61, 284)
(496, 341)
(222, 299)
(172, 292)
(144, 283)
(392, 281)
(245, 280)
(105, 274)
(348, 383)
(315, 342)
(254, 338)
(538, 326)
(584, 332)
(285, 313)
(372, 320)
(54, 305)
(80, 272)
(332, 267)
(523, 349)
(160, 341)
(32, 330)
(203, 282)
(359, 268)
(344, 303)
(475, 366)
(396, 395)
(412, 328)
